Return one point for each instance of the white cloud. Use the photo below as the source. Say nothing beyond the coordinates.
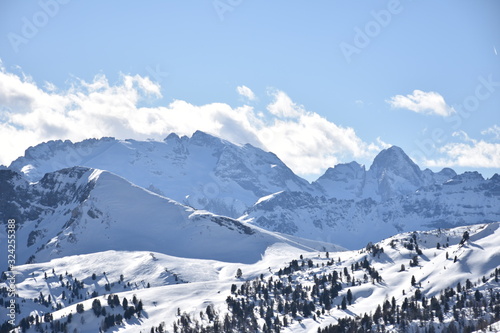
(29, 114)
(283, 106)
(422, 102)
(311, 143)
(246, 92)
(494, 131)
(470, 153)
(382, 144)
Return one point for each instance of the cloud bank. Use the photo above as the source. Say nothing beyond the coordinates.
(30, 114)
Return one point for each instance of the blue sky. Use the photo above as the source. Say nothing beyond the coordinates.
(320, 82)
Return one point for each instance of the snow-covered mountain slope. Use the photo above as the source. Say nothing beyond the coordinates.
(392, 174)
(427, 280)
(82, 210)
(163, 283)
(465, 199)
(203, 171)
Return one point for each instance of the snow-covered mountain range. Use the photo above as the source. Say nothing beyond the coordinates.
(348, 205)
(202, 171)
(196, 234)
(462, 200)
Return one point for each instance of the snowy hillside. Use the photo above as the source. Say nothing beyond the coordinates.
(434, 280)
(203, 171)
(81, 210)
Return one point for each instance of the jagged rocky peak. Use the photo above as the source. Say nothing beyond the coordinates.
(391, 174)
(443, 176)
(344, 181)
(200, 138)
(447, 172)
(431, 178)
(395, 173)
(394, 159)
(473, 177)
(172, 137)
(344, 172)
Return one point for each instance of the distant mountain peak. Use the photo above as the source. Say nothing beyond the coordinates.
(469, 176)
(172, 137)
(393, 158)
(344, 171)
(200, 138)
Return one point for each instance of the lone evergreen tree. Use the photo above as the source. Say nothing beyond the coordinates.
(344, 303)
(125, 303)
(349, 296)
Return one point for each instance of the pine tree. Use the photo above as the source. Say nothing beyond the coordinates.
(125, 303)
(96, 307)
(349, 296)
